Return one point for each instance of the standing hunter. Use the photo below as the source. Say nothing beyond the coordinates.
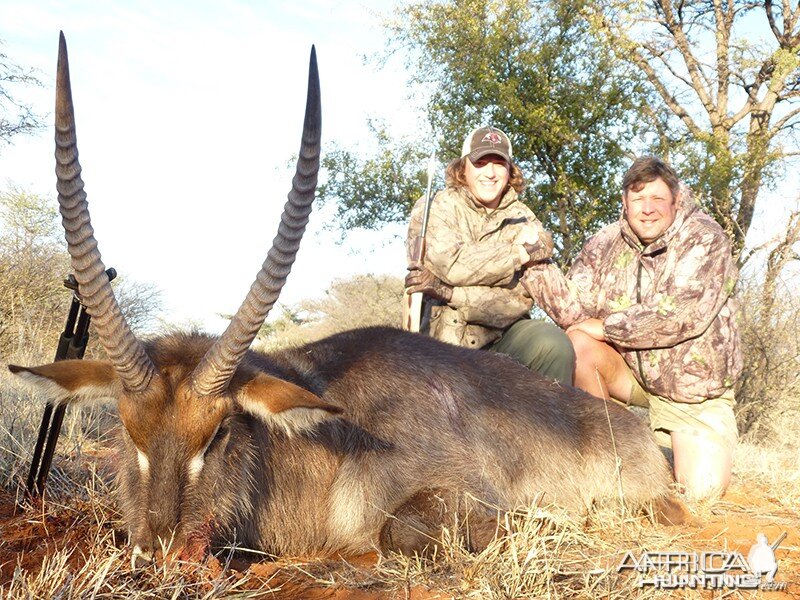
(479, 240)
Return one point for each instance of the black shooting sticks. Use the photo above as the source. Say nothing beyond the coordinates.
(71, 345)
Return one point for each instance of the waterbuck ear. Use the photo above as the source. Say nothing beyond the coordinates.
(278, 402)
(73, 380)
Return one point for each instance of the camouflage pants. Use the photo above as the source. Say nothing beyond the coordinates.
(541, 347)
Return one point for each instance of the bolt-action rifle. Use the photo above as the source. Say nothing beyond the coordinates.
(412, 303)
(71, 345)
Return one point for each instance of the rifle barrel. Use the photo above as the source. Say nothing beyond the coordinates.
(71, 344)
(431, 171)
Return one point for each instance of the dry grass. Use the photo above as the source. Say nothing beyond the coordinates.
(546, 554)
(75, 545)
(773, 469)
(768, 398)
(99, 565)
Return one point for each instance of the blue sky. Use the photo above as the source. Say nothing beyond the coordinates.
(187, 115)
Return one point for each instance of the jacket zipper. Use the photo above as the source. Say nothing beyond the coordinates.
(639, 301)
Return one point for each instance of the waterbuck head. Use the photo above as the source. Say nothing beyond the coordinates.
(176, 394)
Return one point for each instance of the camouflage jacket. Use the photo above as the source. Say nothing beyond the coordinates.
(668, 307)
(475, 250)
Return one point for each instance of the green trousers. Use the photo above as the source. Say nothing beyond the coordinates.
(541, 347)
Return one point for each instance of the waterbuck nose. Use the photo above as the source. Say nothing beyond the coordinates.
(149, 547)
(155, 551)
(140, 557)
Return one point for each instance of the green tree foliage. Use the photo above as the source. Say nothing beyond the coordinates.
(534, 70)
(727, 73)
(374, 191)
(15, 117)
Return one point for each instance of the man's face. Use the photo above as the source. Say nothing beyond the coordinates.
(487, 179)
(650, 211)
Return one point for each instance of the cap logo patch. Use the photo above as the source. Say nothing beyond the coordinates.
(493, 138)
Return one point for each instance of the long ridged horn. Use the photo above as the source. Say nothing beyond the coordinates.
(214, 372)
(126, 352)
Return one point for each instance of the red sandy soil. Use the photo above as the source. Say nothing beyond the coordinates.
(740, 516)
(26, 537)
(29, 534)
(732, 525)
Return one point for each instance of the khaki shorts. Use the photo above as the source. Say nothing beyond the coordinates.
(711, 419)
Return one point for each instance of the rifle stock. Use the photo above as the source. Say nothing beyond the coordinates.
(412, 311)
(412, 303)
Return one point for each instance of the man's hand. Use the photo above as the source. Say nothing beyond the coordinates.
(420, 279)
(541, 249)
(591, 327)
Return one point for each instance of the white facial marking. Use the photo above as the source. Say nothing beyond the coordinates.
(144, 463)
(196, 466)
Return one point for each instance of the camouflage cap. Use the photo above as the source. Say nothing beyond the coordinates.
(486, 140)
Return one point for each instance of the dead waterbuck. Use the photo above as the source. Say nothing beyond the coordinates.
(332, 446)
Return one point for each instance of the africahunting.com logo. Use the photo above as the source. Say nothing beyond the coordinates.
(708, 570)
